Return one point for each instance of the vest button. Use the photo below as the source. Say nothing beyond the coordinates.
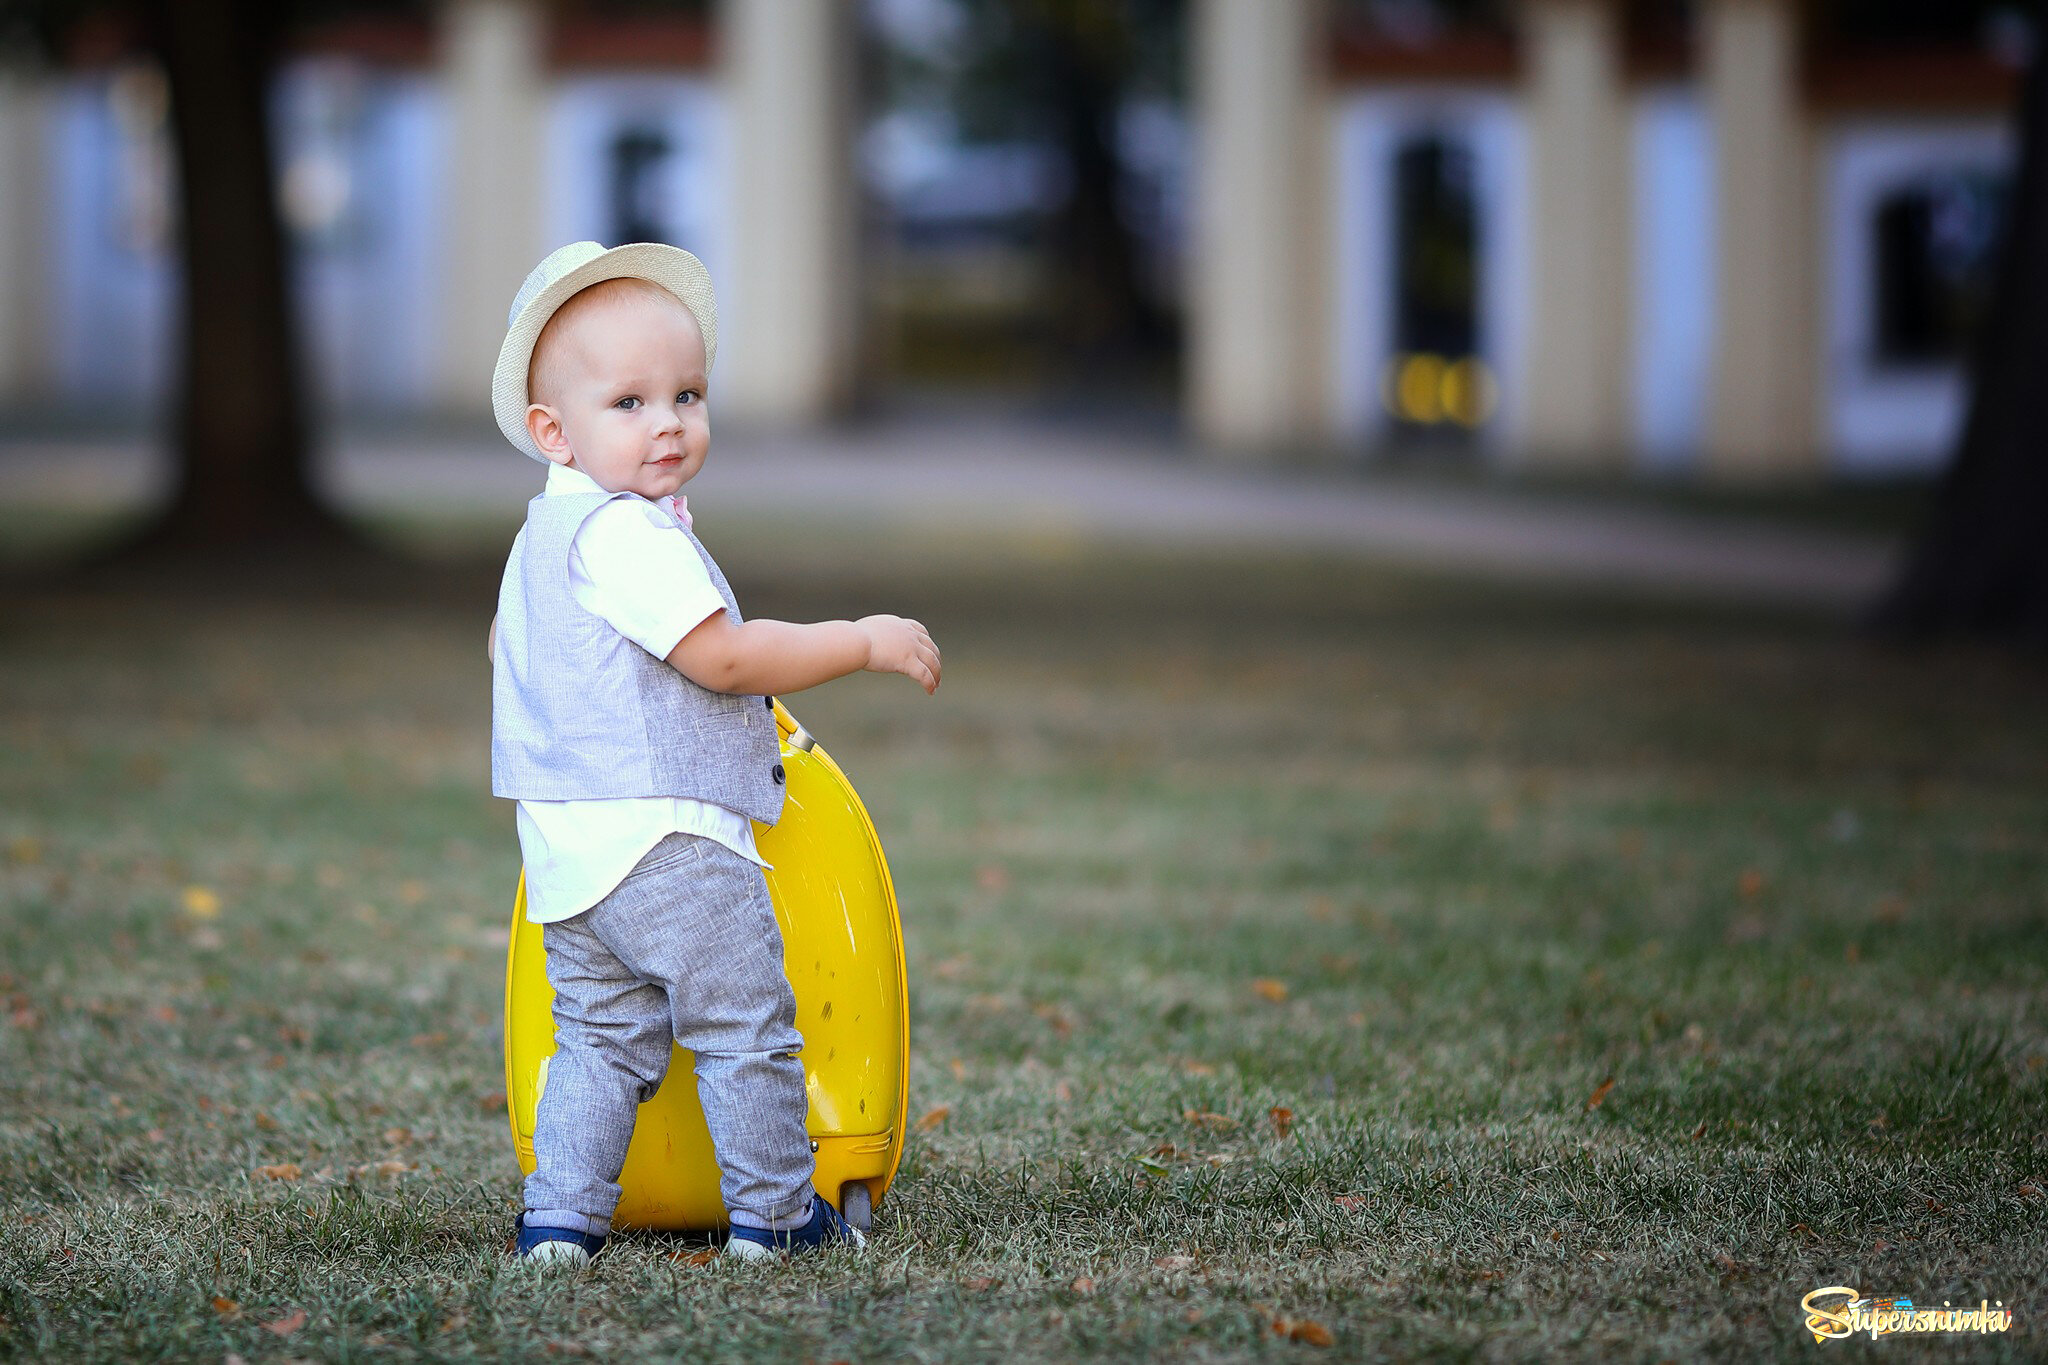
(776, 773)
(769, 702)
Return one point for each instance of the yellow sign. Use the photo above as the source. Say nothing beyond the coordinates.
(1839, 1311)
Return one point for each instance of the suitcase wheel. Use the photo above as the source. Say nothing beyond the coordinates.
(857, 1205)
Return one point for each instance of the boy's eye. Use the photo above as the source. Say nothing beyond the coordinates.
(628, 403)
(688, 396)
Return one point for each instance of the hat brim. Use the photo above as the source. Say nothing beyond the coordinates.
(673, 268)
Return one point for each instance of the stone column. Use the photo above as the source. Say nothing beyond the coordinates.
(25, 323)
(496, 179)
(1578, 368)
(1762, 418)
(787, 315)
(1254, 365)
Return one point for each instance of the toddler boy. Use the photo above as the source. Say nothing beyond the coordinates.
(632, 720)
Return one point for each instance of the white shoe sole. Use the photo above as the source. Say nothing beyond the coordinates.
(558, 1253)
(742, 1249)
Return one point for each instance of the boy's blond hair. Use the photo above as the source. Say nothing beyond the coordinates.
(544, 371)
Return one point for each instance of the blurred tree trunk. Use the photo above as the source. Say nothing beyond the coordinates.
(1980, 565)
(239, 431)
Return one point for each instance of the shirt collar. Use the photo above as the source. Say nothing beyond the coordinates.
(562, 479)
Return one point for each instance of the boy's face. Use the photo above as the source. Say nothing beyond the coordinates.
(627, 401)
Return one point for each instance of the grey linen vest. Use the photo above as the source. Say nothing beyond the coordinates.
(579, 712)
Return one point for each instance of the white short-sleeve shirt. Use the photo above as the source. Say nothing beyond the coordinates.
(629, 564)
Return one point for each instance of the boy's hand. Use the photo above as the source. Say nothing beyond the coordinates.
(899, 645)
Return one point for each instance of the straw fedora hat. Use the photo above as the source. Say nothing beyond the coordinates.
(551, 283)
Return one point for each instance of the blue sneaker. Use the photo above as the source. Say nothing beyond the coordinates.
(825, 1229)
(555, 1246)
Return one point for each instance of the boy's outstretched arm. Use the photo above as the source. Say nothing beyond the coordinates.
(769, 658)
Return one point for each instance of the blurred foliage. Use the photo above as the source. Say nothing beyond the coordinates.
(1946, 22)
(990, 71)
(46, 28)
(636, 9)
(1417, 23)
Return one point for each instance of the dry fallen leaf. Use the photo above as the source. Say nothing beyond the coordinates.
(959, 1069)
(1057, 1017)
(201, 902)
(1282, 1120)
(1700, 1131)
(1352, 1201)
(1599, 1095)
(1198, 1068)
(225, 1306)
(392, 1168)
(2030, 1191)
(1083, 1286)
(265, 1122)
(1300, 1329)
(1175, 1263)
(288, 1324)
(455, 1321)
(978, 1284)
(703, 1257)
(1270, 988)
(397, 1137)
(1203, 1118)
(991, 877)
(283, 1170)
(1062, 1092)
(491, 1102)
(933, 1117)
(1751, 882)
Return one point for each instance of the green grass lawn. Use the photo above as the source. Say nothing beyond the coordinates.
(1311, 961)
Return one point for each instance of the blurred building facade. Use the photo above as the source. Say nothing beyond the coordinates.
(1706, 235)
(1747, 238)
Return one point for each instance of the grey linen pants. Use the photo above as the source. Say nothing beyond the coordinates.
(684, 950)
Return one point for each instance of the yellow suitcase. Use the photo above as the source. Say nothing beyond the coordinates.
(843, 949)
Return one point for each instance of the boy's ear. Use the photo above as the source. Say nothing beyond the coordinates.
(544, 425)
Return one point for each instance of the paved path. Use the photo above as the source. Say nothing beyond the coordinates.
(964, 473)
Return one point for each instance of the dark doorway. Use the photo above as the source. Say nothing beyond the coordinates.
(1933, 258)
(639, 208)
(1435, 386)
